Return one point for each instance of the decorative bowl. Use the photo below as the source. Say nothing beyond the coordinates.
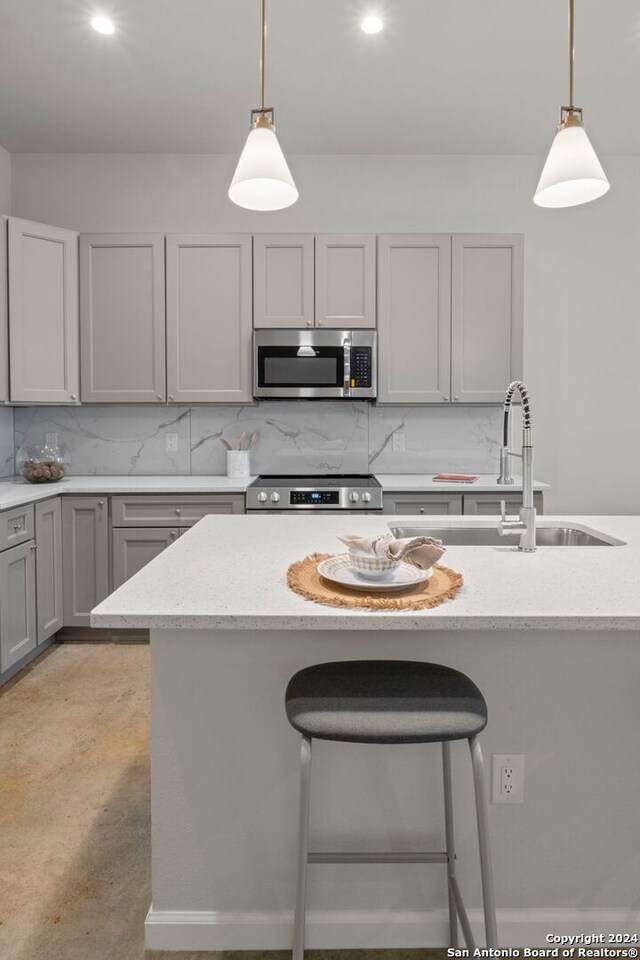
(370, 567)
(43, 462)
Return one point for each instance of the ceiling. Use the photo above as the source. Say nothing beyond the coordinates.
(445, 76)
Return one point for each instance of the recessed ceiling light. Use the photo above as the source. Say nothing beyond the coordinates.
(103, 25)
(372, 25)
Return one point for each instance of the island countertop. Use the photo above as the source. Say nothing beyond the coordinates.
(229, 572)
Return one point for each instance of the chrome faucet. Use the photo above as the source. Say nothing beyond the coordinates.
(526, 524)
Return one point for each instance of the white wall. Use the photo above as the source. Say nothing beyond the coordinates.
(5, 181)
(582, 337)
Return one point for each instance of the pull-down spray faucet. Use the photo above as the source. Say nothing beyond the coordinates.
(526, 524)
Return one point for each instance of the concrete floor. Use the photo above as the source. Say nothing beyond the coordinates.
(74, 811)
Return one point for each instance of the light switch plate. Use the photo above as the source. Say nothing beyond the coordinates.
(171, 442)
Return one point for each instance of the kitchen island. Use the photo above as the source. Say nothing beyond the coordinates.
(552, 640)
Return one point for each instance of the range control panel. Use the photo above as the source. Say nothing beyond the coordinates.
(314, 498)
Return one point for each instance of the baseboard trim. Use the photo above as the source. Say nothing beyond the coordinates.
(370, 929)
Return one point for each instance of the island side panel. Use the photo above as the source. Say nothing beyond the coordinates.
(225, 788)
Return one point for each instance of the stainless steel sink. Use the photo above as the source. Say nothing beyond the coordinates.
(488, 536)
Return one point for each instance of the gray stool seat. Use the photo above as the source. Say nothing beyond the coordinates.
(385, 701)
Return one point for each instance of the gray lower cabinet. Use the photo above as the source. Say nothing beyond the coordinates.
(85, 544)
(49, 567)
(422, 503)
(183, 510)
(18, 632)
(488, 504)
(135, 547)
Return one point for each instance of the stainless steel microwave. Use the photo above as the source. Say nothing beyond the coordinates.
(314, 364)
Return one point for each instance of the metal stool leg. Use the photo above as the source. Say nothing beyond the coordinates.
(484, 844)
(303, 850)
(450, 845)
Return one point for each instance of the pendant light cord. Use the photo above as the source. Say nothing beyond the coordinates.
(572, 51)
(263, 36)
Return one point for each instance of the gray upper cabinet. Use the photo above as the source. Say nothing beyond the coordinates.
(487, 317)
(17, 604)
(43, 313)
(209, 319)
(122, 318)
(85, 546)
(283, 280)
(414, 318)
(345, 281)
(49, 567)
(4, 312)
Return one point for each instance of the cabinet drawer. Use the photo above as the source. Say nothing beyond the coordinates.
(16, 526)
(488, 504)
(160, 511)
(430, 504)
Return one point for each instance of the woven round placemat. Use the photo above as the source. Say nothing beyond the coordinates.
(303, 578)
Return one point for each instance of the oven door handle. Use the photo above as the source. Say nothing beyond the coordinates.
(346, 388)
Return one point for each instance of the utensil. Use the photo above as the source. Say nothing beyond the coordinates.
(241, 441)
(253, 439)
(225, 443)
(404, 575)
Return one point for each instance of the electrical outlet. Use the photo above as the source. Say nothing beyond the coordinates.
(171, 442)
(397, 442)
(507, 778)
(51, 437)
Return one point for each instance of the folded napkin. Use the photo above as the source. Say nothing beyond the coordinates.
(421, 552)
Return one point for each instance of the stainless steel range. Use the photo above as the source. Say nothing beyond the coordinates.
(331, 494)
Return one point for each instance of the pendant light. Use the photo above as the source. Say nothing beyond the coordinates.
(572, 173)
(262, 180)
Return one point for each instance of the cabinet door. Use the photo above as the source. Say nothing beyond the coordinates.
(283, 280)
(43, 313)
(85, 548)
(345, 281)
(4, 312)
(134, 547)
(209, 319)
(431, 504)
(122, 318)
(487, 316)
(17, 604)
(488, 504)
(49, 568)
(414, 318)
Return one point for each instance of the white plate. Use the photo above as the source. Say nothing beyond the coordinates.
(339, 570)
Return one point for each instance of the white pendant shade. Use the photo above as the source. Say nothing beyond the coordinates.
(262, 180)
(572, 174)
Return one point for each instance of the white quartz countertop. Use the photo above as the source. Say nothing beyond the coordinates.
(424, 483)
(229, 572)
(15, 492)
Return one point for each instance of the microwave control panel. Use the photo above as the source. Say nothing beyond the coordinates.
(361, 366)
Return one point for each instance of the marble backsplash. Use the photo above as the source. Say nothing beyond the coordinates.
(7, 462)
(302, 437)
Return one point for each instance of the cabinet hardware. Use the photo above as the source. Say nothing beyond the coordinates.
(178, 511)
(101, 503)
(456, 397)
(159, 397)
(445, 398)
(16, 526)
(74, 396)
(171, 397)
(172, 534)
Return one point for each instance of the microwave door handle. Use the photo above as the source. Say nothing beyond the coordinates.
(347, 368)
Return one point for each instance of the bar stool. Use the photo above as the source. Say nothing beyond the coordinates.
(393, 701)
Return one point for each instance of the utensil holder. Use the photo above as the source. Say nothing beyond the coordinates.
(238, 464)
